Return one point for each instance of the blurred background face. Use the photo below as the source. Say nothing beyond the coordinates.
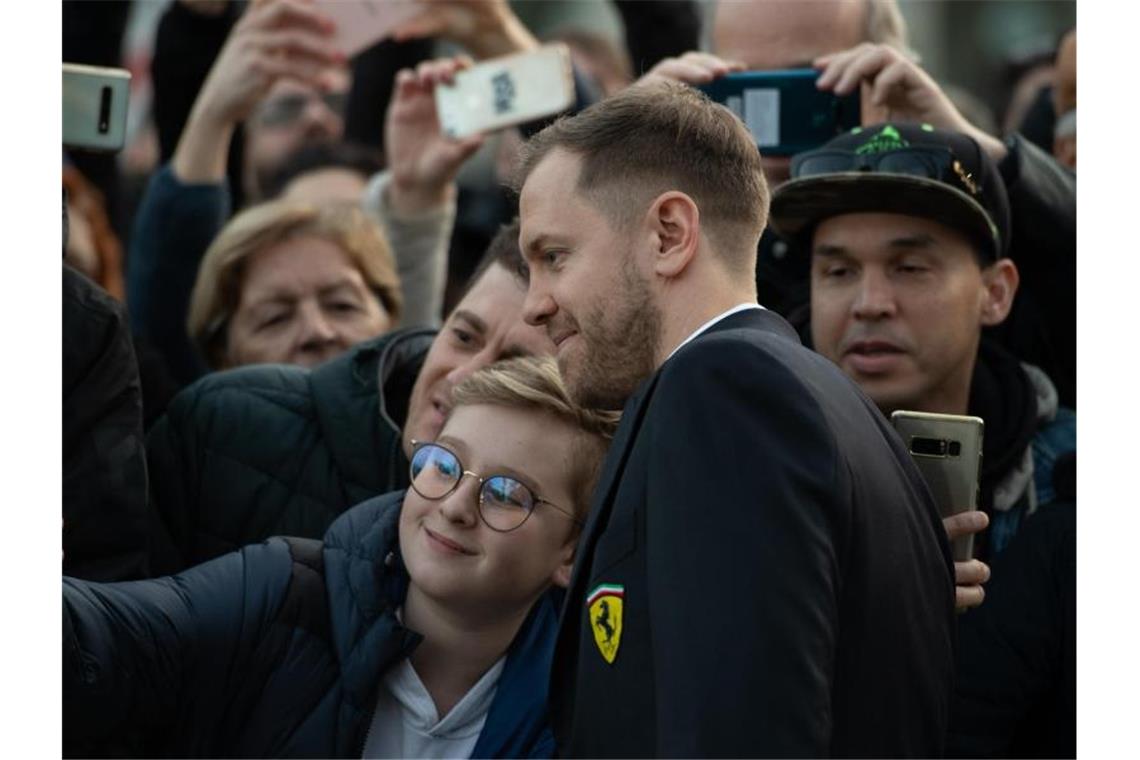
(303, 302)
(291, 116)
(897, 302)
(451, 554)
(778, 34)
(486, 325)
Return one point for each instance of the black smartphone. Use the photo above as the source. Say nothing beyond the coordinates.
(783, 110)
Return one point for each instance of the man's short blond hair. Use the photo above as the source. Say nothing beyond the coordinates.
(534, 383)
(653, 138)
(217, 291)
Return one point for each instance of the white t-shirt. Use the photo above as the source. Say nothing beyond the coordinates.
(406, 724)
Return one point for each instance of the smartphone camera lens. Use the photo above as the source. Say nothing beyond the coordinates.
(105, 111)
(928, 447)
(954, 448)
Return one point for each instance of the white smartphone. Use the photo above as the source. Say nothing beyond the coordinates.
(947, 448)
(95, 103)
(360, 24)
(507, 91)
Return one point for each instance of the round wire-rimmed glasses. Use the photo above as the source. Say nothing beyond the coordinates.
(505, 503)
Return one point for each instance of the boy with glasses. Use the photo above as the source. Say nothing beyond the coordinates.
(432, 631)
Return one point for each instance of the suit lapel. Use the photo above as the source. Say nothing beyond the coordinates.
(619, 450)
(610, 476)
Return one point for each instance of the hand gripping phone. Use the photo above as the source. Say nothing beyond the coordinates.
(784, 110)
(507, 91)
(947, 448)
(95, 103)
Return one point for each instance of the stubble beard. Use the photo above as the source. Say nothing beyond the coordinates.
(620, 342)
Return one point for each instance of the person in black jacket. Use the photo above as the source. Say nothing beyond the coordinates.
(105, 512)
(763, 572)
(429, 634)
(906, 228)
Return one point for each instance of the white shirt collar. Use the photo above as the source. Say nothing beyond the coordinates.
(464, 719)
(724, 315)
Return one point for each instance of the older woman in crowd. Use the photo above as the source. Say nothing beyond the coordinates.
(293, 282)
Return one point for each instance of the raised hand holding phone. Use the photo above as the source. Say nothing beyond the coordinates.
(423, 160)
(507, 91)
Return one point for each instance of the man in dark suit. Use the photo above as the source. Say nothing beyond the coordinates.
(763, 571)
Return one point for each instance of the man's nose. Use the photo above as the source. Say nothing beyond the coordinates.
(539, 306)
(484, 358)
(875, 299)
(320, 121)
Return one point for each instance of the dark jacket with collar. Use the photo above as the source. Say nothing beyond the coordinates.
(222, 661)
(785, 583)
(278, 449)
(1015, 693)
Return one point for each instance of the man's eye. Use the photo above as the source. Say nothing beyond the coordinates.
(912, 268)
(836, 272)
(552, 257)
(343, 307)
(463, 337)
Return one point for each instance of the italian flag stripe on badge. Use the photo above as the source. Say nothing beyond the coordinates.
(606, 589)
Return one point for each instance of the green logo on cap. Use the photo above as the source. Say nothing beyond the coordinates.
(888, 138)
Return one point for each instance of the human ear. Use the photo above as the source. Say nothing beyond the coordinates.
(675, 222)
(561, 576)
(1000, 280)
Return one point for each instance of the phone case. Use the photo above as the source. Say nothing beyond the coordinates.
(784, 110)
(507, 91)
(947, 448)
(362, 23)
(95, 101)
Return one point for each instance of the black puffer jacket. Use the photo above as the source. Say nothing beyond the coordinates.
(104, 466)
(279, 450)
(233, 659)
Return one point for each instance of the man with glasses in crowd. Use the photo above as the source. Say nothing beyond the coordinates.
(763, 571)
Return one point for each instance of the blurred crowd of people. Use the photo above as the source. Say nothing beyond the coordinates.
(594, 460)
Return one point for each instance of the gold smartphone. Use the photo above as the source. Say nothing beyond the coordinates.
(948, 451)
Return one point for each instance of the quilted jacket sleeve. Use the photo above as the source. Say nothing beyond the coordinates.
(139, 655)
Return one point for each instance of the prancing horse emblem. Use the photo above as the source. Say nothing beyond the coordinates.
(604, 607)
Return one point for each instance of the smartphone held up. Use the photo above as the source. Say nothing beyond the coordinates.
(784, 110)
(947, 448)
(507, 91)
(95, 103)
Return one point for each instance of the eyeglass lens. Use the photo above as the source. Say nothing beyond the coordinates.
(288, 108)
(504, 502)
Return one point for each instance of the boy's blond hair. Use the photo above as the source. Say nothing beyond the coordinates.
(532, 382)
